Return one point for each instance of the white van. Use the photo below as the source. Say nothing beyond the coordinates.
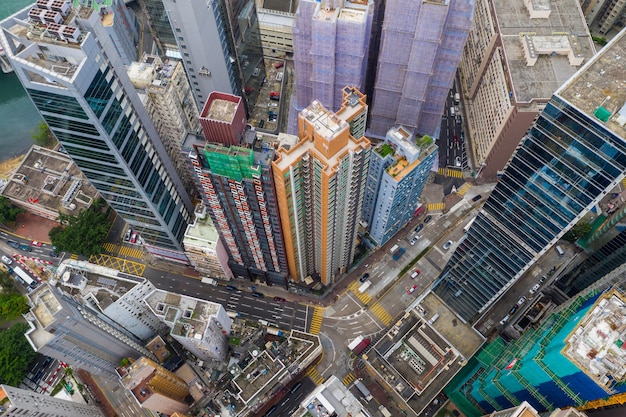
(560, 250)
(457, 98)
(393, 248)
(452, 113)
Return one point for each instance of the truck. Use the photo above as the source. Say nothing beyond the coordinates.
(358, 345)
(364, 286)
(398, 254)
(209, 281)
(24, 276)
(393, 248)
(275, 331)
(366, 393)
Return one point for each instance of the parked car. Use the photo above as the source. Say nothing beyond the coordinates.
(280, 299)
(411, 290)
(272, 105)
(36, 243)
(274, 94)
(419, 227)
(133, 238)
(256, 72)
(535, 288)
(127, 235)
(279, 65)
(476, 198)
(248, 90)
(415, 274)
(261, 123)
(514, 309)
(427, 218)
(364, 277)
(447, 245)
(505, 319)
(521, 301)
(414, 240)
(275, 98)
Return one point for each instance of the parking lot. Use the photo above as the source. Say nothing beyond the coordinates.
(267, 111)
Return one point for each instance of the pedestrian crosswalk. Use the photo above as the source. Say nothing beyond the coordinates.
(348, 379)
(381, 313)
(464, 188)
(74, 256)
(624, 182)
(118, 250)
(363, 296)
(316, 320)
(110, 247)
(450, 172)
(314, 375)
(436, 206)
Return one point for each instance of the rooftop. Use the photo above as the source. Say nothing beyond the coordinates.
(202, 233)
(599, 89)
(332, 397)
(564, 25)
(51, 181)
(220, 107)
(596, 344)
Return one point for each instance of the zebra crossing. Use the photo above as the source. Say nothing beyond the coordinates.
(316, 320)
(381, 313)
(450, 172)
(348, 379)
(118, 250)
(464, 188)
(315, 376)
(363, 296)
(436, 206)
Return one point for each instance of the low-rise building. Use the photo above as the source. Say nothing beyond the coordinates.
(330, 398)
(17, 402)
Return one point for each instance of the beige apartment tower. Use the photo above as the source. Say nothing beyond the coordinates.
(517, 55)
(320, 184)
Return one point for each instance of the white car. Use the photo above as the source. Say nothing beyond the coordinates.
(7, 260)
(534, 288)
(273, 105)
(447, 245)
(457, 161)
(504, 319)
(414, 240)
(521, 301)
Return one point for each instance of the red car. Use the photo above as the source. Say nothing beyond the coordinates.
(411, 290)
(248, 90)
(274, 94)
(279, 65)
(280, 299)
(35, 243)
(133, 238)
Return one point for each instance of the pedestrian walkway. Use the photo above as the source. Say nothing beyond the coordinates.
(314, 375)
(450, 172)
(436, 206)
(464, 188)
(121, 264)
(381, 313)
(119, 250)
(348, 379)
(316, 320)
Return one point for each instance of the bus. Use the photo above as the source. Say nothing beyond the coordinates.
(468, 225)
(25, 277)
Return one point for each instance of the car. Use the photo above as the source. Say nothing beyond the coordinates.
(411, 290)
(521, 301)
(415, 274)
(13, 244)
(505, 319)
(514, 309)
(295, 388)
(419, 227)
(231, 288)
(279, 65)
(414, 240)
(274, 94)
(543, 278)
(257, 294)
(54, 254)
(447, 245)
(455, 138)
(273, 105)
(7, 260)
(248, 90)
(272, 118)
(271, 113)
(279, 77)
(261, 123)
(127, 235)
(275, 98)
(535, 288)
(364, 277)
(280, 299)
(25, 248)
(476, 198)
(256, 72)
(457, 161)
(36, 243)
(428, 218)
(133, 238)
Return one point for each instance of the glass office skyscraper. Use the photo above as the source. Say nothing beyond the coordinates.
(570, 158)
(71, 61)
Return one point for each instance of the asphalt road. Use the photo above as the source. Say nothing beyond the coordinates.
(451, 136)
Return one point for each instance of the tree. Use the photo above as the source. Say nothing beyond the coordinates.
(42, 135)
(579, 230)
(8, 212)
(16, 354)
(12, 304)
(82, 234)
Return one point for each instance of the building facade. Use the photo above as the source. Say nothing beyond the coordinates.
(223, 119)
(331, 41)
(420, 48)
(65, 330)
(75, 75)
(506, 79)
(200, 326)
(320, 183)
(220, 45)
(169, 101)
(604, 15)
(17, 401)
(571, 157)
(156, 388)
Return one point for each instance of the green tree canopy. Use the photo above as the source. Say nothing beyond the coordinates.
(16, 354)
(12, 305)
(579, 230)
(8, 212)
(42, 135)
(83, 234)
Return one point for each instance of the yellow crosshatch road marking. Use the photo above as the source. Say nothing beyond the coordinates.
(315, 376)
(110, 247)
(382, 314)
(316, 320)
(120, 264)
(132, 252)
(363, 296)
(348, 379)
(436, 206)
(464, 188)
(74, 256)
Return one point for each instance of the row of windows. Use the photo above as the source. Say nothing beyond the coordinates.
(57, 104)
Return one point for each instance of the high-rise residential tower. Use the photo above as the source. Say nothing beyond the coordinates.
(320, 183)
(571, 157)
(76, 334)
(220, 45)
(330, 40)
(506, 78)
(604, 15)
(398, 170)
(234, 175)
(420, 48)
(17, 401)
(73, 69)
